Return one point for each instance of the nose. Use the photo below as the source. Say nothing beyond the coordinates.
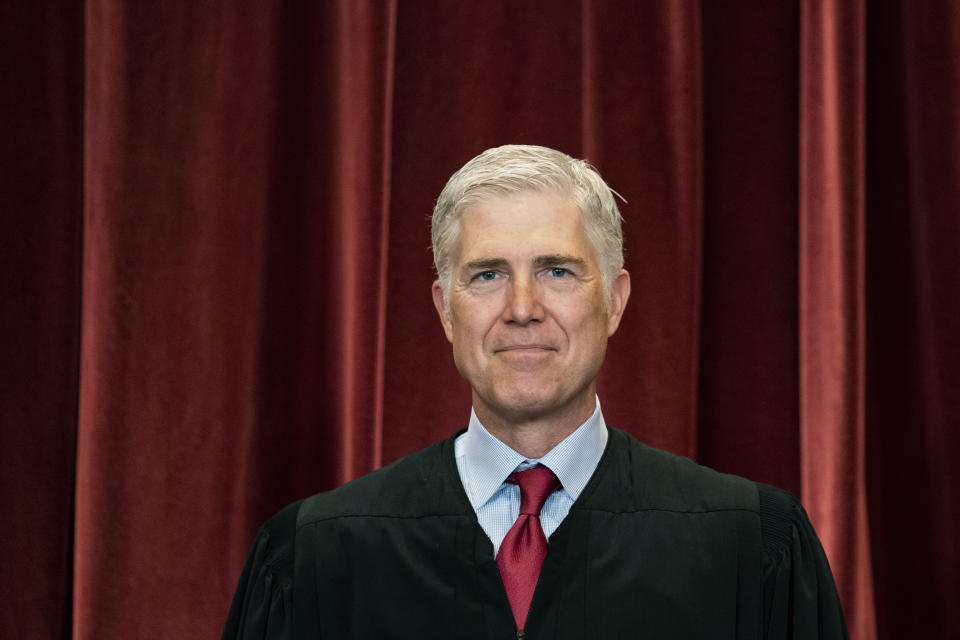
(523, 304)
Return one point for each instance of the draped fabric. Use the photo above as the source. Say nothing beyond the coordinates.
(215, 284)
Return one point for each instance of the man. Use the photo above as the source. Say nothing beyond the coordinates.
(538, 521)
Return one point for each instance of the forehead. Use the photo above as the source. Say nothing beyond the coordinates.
(527, 222)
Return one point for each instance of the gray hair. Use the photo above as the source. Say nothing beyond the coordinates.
(513, 168)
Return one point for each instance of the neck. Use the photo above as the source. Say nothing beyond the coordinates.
(533, 436)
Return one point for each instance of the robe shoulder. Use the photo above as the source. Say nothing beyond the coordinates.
(262, 606)
(637, 477)
(413, 486)
(799, 596)
(799, 593)
(421, 484)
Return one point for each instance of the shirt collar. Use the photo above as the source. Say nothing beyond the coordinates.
(489, 461)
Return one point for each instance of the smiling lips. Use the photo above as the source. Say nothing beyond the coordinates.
(525, 347)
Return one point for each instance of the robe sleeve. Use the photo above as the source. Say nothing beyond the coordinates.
(800, 597)
(262, 607)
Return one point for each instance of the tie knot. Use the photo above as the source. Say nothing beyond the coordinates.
(536, 485)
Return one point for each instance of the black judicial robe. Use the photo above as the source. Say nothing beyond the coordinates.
(655, 547)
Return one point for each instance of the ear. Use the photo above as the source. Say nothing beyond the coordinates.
(437, 292)
(619, 294)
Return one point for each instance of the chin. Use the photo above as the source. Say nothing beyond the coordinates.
(520, 404)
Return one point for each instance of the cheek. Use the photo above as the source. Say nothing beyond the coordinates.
(473, 322)
(582, 317)
(468, 337)
(589, 332)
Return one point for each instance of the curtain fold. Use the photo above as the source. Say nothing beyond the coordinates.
(748, 398)
(832, 295)
(913, 313)
(216, 270)
(179, 123)
(332, 174)
(41, 97)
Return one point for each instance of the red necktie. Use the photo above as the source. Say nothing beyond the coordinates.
(524, 547)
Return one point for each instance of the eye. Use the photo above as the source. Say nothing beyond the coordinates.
(487, 275)
(558, 272)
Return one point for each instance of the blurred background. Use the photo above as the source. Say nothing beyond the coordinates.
(214, 270)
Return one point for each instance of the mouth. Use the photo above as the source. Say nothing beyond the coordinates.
(521, 348)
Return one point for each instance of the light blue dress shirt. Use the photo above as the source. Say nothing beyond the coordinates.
(485, 462)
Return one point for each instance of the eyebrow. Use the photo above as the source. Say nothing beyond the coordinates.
(558, 260)
(485, 264)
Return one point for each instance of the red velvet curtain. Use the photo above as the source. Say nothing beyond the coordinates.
(215, 276)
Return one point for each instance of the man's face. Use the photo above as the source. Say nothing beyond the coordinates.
(527, 317)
